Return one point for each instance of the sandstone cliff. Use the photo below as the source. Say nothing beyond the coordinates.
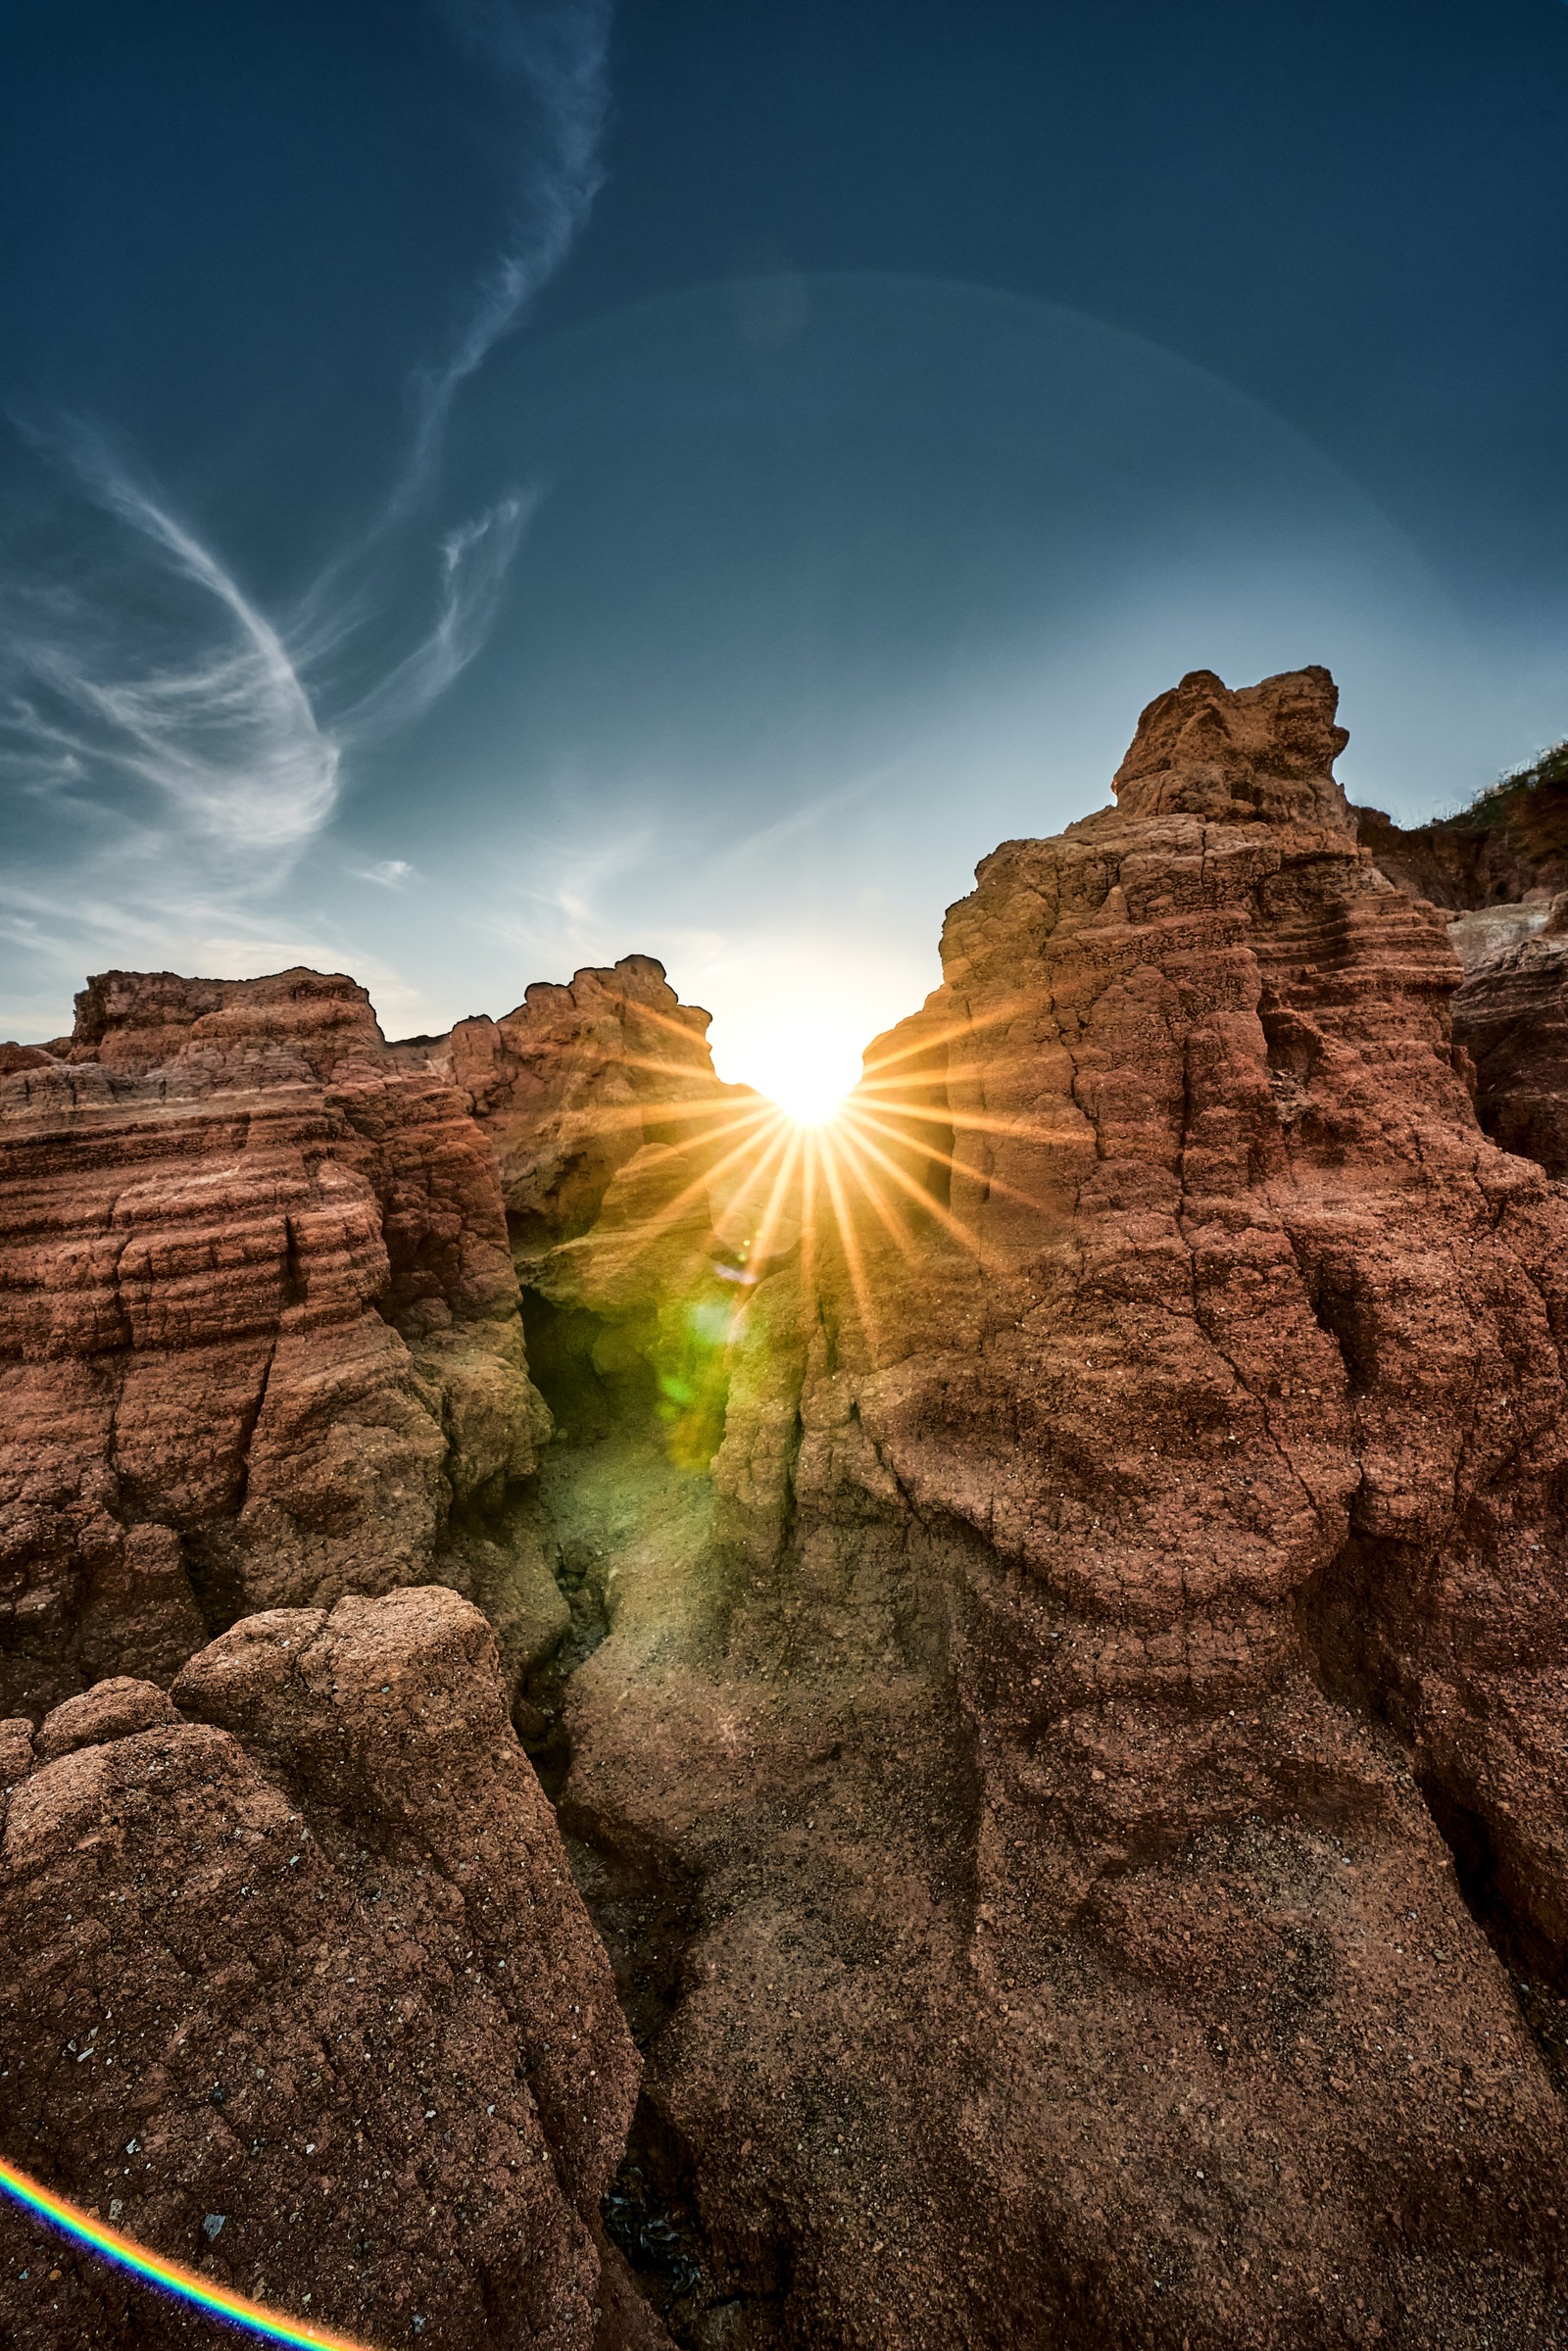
(260, 1338)
(1067, 1828)
(1510, 842)
(1511, 1017)
(1499, 868)
(1050, 1664)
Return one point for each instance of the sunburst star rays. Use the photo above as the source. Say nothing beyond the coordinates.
(731, 1187)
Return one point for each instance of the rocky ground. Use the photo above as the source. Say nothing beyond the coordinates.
(1039, 1625)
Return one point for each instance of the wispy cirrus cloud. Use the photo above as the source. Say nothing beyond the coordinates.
(191, 693)
(387, 873)
(555, 60)
(473, 563)
(144, 685)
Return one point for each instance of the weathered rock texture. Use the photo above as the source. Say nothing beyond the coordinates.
(1501, 864)
(1056, 1690)
(1511, 1017)
(260, 1340)
(1511, 843)
(1066, 1825)
(572, 1084)
(300, 1992)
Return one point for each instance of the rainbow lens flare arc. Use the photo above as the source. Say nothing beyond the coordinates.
(729, 1186)
(153, 2269)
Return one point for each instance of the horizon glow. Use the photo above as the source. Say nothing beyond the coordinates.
(170, 2276)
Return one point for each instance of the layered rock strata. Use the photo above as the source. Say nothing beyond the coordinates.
(301, 1994)
(1066, 1794)
(1056, 1699)
(260, 1338)
(1511, 1017)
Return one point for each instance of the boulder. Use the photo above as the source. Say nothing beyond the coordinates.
(300, 1993)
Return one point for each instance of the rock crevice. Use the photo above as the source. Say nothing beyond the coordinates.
(1042, 1619)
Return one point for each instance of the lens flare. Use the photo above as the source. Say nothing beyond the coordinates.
(810, 1100)
(806, 1068)
(815, 1160)
(199, 2292)
(817, 1170)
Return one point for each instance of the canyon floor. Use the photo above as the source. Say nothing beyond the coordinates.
(623, 1724)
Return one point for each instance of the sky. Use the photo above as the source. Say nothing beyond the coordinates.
(487, 486)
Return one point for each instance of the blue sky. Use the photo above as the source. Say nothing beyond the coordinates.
(488, 487)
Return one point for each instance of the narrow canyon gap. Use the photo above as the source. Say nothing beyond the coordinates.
(1037, 1611)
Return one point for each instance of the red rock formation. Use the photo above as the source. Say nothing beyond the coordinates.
(1511, 1017)
(1032, 1831)
(300, 1993)
(604, 1087)
(1068, 1583)
(572, 1084)
(1502, 865)
(1509, 843)
(299, 1022)
(259, 1330)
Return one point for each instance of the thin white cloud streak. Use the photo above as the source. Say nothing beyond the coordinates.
(203, 739)
(229, 737)
(555, 59)
(476, 559)
(232, 738)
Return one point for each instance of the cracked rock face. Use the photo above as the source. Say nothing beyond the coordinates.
(295, 1949)
(1115, 1722)
(577, 1081)
(1511, 1016)
(260, 1340)
(1053, 1677)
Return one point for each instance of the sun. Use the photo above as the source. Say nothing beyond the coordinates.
(806, 1154)
(809, 1101)
(807, 1072)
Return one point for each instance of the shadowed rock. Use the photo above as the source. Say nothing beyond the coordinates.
(1115, 1718)
(260, 1338)
(1511, 1017)
(306, 1954)
(571, 1085)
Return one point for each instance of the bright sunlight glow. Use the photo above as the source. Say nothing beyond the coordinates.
(806, 1070)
